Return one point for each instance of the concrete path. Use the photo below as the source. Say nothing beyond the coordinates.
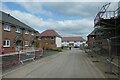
(66, 64)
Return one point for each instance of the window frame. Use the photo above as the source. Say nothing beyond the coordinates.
(18, 30)
(7, 43)
(32, 33)
(26, 32)
(6, 27)
(52, 38)
(26, 43)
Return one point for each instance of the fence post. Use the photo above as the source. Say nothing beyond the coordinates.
(109, 60)
(35, 57)
(18, 51)
(18, 56)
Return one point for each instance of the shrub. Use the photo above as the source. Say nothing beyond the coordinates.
(56, 49)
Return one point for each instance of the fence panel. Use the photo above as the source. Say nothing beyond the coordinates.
(114, 54)
(9, 60)
(38, 54)
(109, 53)
(25, 56)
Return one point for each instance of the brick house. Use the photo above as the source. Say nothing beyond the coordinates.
(90, 38)
(50, 39)
(73, 41)
(15, 35)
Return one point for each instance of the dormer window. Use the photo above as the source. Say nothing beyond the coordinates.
(26, 32)
(7, 27)
(18, 30)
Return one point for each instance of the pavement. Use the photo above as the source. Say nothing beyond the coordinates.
(67, 64)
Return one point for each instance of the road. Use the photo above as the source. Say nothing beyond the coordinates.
(66, 64)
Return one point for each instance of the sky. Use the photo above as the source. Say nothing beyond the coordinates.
(67, 18)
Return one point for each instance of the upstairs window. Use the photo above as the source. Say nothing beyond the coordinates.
(45, 38)
(52, 38)
(26, 43)
(7, 27)
(39, 38)
(32, 33)
(26, 32)
(6, 43)
(18, 30)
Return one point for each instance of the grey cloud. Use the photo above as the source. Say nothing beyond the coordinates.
(80, 27)
(81, 9)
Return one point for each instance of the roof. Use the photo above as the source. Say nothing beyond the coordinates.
(93, 32)
(7, 18)
(51, 33)
(72, 39)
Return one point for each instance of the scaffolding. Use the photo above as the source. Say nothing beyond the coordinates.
(106, 38)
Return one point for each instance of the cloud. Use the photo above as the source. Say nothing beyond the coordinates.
(62, 8)
(74, 9)
(34, 7)
(65, 9)
(79, 27)
(59, 0)
(66, 27)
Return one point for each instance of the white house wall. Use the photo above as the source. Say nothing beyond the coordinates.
(65, 43)
(75, 43)
(58, 41)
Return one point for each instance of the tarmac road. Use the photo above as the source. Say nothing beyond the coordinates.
(67, 64)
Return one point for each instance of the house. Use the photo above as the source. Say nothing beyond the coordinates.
(90, 39)
(50, 39)
(15, 35)
(73, 41)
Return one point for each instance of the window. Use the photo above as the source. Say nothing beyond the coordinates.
(18, 30)
(6, 43)
(26, 32)
(39, 38)
(68, 41)
(46, 38)
(26, 43)
(7, 27)
(32, 33)
(52, 38)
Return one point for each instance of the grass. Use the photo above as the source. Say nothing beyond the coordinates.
(56, 49)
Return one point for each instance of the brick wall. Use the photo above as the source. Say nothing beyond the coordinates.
(47, 44)
(0, 36)
(90, 41)
(11, 35)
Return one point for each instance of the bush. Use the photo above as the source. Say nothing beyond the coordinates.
(56, 49)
